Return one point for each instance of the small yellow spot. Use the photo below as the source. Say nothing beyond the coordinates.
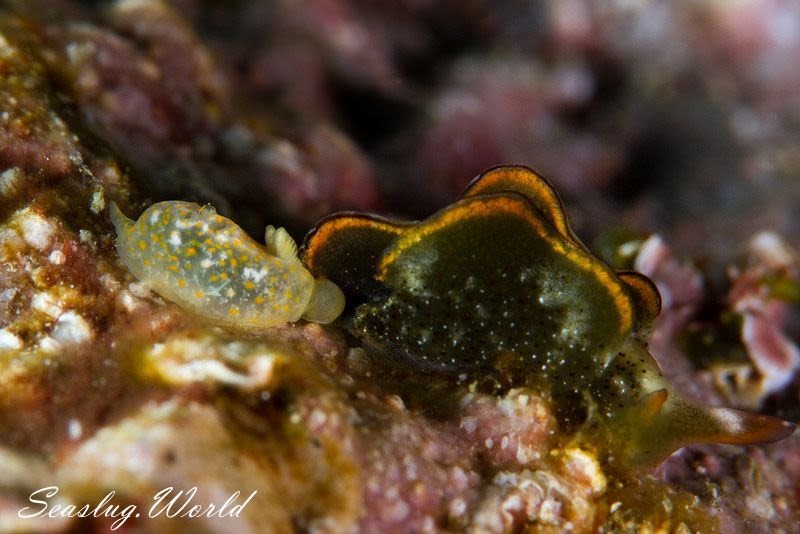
(191, 251)
(234, 311)
(199, 294)
(243, 257)
(173, 258)
(259, 299)
(223, 276)
(173, 268)
(233, 262)
(213, 277)
(182, 282)
(142, 245)
(249, 284)
(147, 263)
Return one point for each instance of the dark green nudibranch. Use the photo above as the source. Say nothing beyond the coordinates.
(497, 289)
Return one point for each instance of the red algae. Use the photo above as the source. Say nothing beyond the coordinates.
(283, 112)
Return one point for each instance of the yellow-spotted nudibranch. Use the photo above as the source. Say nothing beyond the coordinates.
(497, 290)
(206, 264)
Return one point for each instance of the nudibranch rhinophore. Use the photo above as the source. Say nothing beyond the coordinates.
(205, 263)
(497, 289)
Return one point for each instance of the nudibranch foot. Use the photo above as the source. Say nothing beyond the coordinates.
(206, 264)
(497, 289)
(326, 302)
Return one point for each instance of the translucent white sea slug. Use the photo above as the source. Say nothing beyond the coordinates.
(206, 264)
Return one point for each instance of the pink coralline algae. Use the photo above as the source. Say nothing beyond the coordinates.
(755, 295)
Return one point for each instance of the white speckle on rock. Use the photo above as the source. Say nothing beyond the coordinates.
(469, 424)
(397, 511)
(772, 250)
(585, 468)
(410, 468)
(139, 289)
(317, 419)
(79, 53)
(512, 504)
(550, 511)
(86, 237)
(10, 180)
(109, 282)
(9, 340)
(36, 231)
(129, 301)
(57, 257)
(98, 202)
(45, 303)
(525, 455)
(457, 508)
(7, 295)
(74, 429)
(49, 345)
(459, 479)
(72, 329)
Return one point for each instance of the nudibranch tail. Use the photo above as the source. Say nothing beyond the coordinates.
(679, 423)
(326, 302)
(735, 427)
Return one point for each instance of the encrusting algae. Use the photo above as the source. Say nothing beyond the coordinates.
(495, 289)
(205, 263)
